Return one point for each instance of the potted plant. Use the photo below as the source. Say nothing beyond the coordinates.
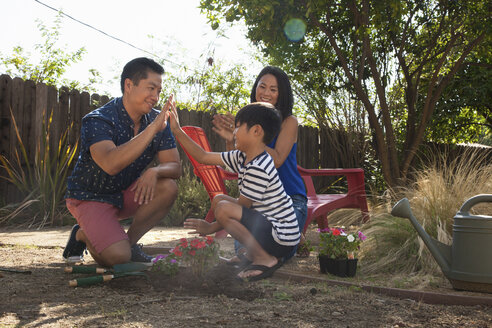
(337, 251)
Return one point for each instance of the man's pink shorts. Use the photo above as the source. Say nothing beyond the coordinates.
(100, 221)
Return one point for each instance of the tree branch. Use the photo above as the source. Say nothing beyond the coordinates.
(373, 121)
(432, 97)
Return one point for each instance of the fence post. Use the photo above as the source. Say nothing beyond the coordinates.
(17, 107)
(28, 123)
(5, 123)
(75, 116)
(41, 107)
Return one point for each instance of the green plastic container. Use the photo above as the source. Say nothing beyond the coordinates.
(467, 263)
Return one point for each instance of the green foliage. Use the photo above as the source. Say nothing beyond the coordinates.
(192, 200)
(49, 63)
(42, 182)
(199, 253)
(215, 88)
(205, 85)
(220, 90)
(393, 56)
(464, 113)
(336, 244)
(166, 263)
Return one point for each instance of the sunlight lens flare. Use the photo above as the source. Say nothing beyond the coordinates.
(295, 29)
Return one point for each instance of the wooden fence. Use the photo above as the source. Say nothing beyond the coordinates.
(29, 104)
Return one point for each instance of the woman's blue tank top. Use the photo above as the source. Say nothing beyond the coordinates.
(288, 173)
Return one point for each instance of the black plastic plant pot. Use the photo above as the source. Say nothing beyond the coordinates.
(337, 267)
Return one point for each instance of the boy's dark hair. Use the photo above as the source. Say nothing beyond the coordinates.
(285, 100)
(261, 113)
(136, 70)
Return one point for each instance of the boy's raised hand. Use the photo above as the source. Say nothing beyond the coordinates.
(161, 119)
(174, 118)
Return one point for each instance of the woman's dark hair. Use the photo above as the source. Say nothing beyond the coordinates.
(285, 99)
(136, 70)
(261, 113)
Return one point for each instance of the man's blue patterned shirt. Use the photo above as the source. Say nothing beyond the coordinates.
(112, 122)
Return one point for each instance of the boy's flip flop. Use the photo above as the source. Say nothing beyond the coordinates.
(266, 272)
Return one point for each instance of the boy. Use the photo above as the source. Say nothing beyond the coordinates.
(262, 218)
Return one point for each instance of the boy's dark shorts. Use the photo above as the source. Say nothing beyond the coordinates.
(261, 229)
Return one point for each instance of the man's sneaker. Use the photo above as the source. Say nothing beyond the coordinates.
(139, 256)
(74, 250)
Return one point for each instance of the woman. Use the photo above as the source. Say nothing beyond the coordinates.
(273, 86)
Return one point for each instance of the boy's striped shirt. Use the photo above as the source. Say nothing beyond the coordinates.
(258, 180)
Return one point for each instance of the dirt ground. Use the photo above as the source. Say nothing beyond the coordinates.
(44, 298)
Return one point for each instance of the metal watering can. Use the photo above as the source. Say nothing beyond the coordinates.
(467, 263)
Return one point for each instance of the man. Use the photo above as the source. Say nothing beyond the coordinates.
(111, 179)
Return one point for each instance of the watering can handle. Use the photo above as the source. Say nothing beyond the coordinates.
(465, 208)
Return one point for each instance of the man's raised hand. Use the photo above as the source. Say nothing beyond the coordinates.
(161, 119)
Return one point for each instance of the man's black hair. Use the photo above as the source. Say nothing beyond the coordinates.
(137, 69)
(285, 100)
(261, 113)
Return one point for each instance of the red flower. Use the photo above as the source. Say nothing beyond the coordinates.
(210, 240)
(201, 245)
(178, 253)
(194, 242)
(192, 252)
(336, 232)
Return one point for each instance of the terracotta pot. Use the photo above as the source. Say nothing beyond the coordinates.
(337, 267)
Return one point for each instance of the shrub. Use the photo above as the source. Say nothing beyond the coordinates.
(192, 200)
(43, 182)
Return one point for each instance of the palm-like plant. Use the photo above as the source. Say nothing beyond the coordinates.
(43, 182)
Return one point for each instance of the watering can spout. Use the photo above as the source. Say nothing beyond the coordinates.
(440, 251)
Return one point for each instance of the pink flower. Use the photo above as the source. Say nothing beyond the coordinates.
(159, 257)
(362, 237)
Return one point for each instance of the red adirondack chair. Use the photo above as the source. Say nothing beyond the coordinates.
(319, 205)
(211, 176)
